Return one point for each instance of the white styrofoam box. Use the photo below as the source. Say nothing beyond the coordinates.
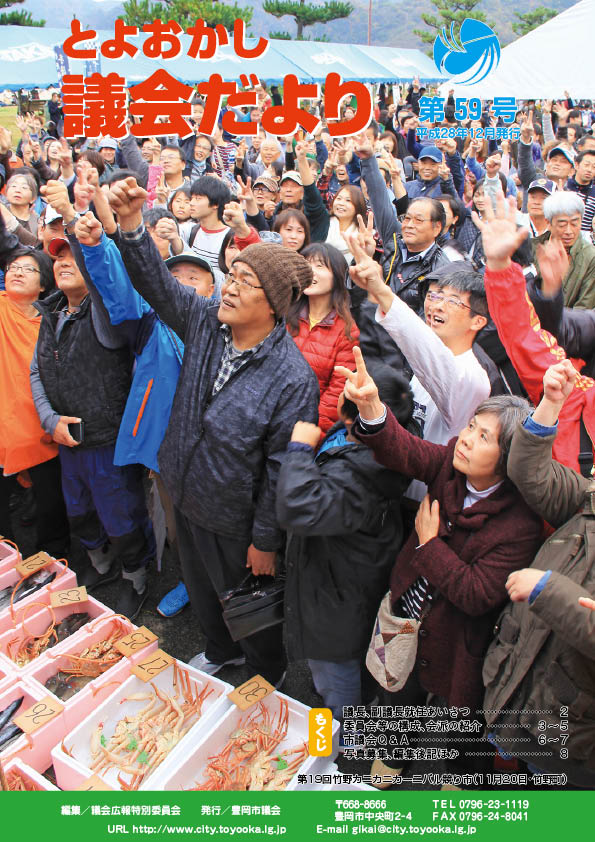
(72, 769)
(9, 556)
(41, 741)
(39, 783)
(7, 676)
(37, 620)
(65, 578)
(179, 773)
(79, 706)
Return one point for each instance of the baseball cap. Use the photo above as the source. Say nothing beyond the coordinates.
(269, 183)
(561, 150)
(542, 184)
(50, 215)
(431, 152)
(293, 175)
(107, 143)
(188, 257)
(56, 245)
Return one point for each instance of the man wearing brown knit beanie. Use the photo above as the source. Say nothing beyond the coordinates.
(242, 387)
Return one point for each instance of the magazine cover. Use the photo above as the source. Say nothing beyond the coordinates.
(297, 360)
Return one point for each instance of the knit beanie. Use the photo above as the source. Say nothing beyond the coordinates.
(283, 273)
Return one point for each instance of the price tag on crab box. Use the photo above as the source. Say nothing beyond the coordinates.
(154, 664)
(38, 714)
(135, 641)
(31, 565)
(69, 597)
(251, 691)
(93, 784)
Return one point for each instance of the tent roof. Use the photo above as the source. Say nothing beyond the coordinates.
(556, 57)
(27, 61)
(404, 64)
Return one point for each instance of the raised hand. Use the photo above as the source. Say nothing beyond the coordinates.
(499, 233)
(527, 128)
(233, 215)
(126, 198)
(161, 191)
(444, 171)
(5, 140)
(167, 229)
(56, 194)
(65, 153)
(366, 234)
(245, 189)
(450, 145)
(558, 381)
(363, 148)
(88, 230)
(300, 151)
(21, 123)
(84, 192)
(366, 273)
(361, 389)
(553, 266)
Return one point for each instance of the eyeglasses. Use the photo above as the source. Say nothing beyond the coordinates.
(450, 302)
(416, 220)
(260, 188)
(230, 281)
(26, 270)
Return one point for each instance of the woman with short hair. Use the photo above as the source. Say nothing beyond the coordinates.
(472, 530)
(24, 447)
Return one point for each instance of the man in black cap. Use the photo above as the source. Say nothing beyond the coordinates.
(242, 387)
(534, 219)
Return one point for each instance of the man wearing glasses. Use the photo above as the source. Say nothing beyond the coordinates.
(242, 387)
(448, 381)
(411, 250)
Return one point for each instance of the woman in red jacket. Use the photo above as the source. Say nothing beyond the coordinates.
(321, 325)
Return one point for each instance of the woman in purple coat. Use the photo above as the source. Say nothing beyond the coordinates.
(471, 531)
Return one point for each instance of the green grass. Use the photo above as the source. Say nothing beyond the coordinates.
(7, 119)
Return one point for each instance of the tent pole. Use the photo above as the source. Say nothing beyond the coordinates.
(369, 23)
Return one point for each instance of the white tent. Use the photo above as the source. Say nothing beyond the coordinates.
(556, 57)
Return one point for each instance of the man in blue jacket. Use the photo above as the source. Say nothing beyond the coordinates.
(242, 387)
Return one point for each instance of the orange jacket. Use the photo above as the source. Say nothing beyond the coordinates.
(22, 439)
(532, 351)
(325, 346)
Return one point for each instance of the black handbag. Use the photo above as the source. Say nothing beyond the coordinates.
(253, 605)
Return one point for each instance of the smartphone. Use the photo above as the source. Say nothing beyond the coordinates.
(76, 430)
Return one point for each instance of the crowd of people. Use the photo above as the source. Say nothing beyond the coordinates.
(363, 366)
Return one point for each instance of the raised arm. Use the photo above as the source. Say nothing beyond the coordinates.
(134, 159)
(551, 489)
(393, 446)
(456, 391)
(385, 217)
(171, 300)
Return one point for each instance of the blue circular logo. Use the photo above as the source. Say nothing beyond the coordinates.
(472, 57)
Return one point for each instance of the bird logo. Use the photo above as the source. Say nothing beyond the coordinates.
(472, 57)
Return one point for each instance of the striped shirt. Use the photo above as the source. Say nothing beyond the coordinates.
(587, 194)
(207, 244)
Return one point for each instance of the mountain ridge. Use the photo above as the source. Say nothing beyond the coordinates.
(393, 21)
